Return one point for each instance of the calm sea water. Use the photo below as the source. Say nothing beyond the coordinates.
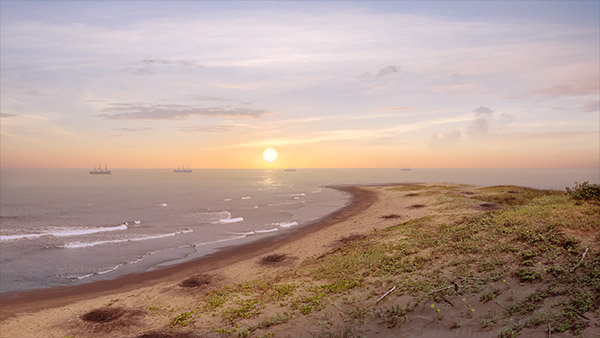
(65, 227)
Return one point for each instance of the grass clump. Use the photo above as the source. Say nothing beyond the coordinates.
(528, 274)
(216, 299)
(247, 308)
(281, 292)
(184, 319)
(270, 321)
(408, 187)
(512, 196)
(392, 315)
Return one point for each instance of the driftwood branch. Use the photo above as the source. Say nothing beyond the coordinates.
(386, 294)
(549, 330)
(580, 314)
(580, 261)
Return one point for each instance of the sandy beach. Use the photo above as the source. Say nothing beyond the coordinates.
(249, 290)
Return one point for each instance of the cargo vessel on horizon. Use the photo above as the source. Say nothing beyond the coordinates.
(182, 169)
(100, 171)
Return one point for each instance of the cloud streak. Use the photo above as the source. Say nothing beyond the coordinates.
(128, 111)
(132, 129)
(206, 129)
(590, 107)
(170, 62)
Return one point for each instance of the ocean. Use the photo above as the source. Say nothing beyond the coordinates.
(66, 227)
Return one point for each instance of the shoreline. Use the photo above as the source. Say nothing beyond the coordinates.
(16, 302)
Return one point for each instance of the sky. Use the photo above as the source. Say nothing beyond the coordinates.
(134, 84)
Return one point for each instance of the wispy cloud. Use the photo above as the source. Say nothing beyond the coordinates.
(206, 129)
(590, 107)
(138, 71)
(483, 111)
(445, 139)
(452, 87)
(397, 108)
(129, 111)
(8, 115)
(184, 63)
(146, 66)
(216, 99)
(389, 70)
(580, 88)
(385, 71)
(132, 129)
(480, 126)
(356, 134)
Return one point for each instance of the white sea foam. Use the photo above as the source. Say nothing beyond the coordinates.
(283, 203)
(286, 224)
(23, 236)
(316, 191)
(75, 245)
(64, 232)
(266, 231)
(228, 199)
(84, 276)
(231, 220)
(137, 222)
(208, 217)
(242, 234)
(162, 205)
(246, 197)
(294, 195)
(109, 269)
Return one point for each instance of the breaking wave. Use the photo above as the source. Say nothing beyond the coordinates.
(286, 224)
(230, 220)
(63, 232)
(75, 245)
(217, 217)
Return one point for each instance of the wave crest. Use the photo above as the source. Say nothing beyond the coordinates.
(63, 232)
(76, 245)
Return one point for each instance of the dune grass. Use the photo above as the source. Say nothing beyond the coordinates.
(543, 241)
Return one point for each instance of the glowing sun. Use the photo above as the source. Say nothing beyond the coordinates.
(270, 154)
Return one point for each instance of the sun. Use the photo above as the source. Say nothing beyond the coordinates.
(270, 154)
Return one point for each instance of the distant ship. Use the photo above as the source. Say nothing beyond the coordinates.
(99, 171)
(290, 169)
(181, 169)
(405, 169)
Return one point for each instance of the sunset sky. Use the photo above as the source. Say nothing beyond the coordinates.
(328, 84)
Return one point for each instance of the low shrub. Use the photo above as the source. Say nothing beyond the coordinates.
(585, 191)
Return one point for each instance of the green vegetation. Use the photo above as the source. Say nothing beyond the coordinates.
(184, 319)
(585, 191)
(277, 319)
(510, 195)
(534, 262)
(408, 187)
